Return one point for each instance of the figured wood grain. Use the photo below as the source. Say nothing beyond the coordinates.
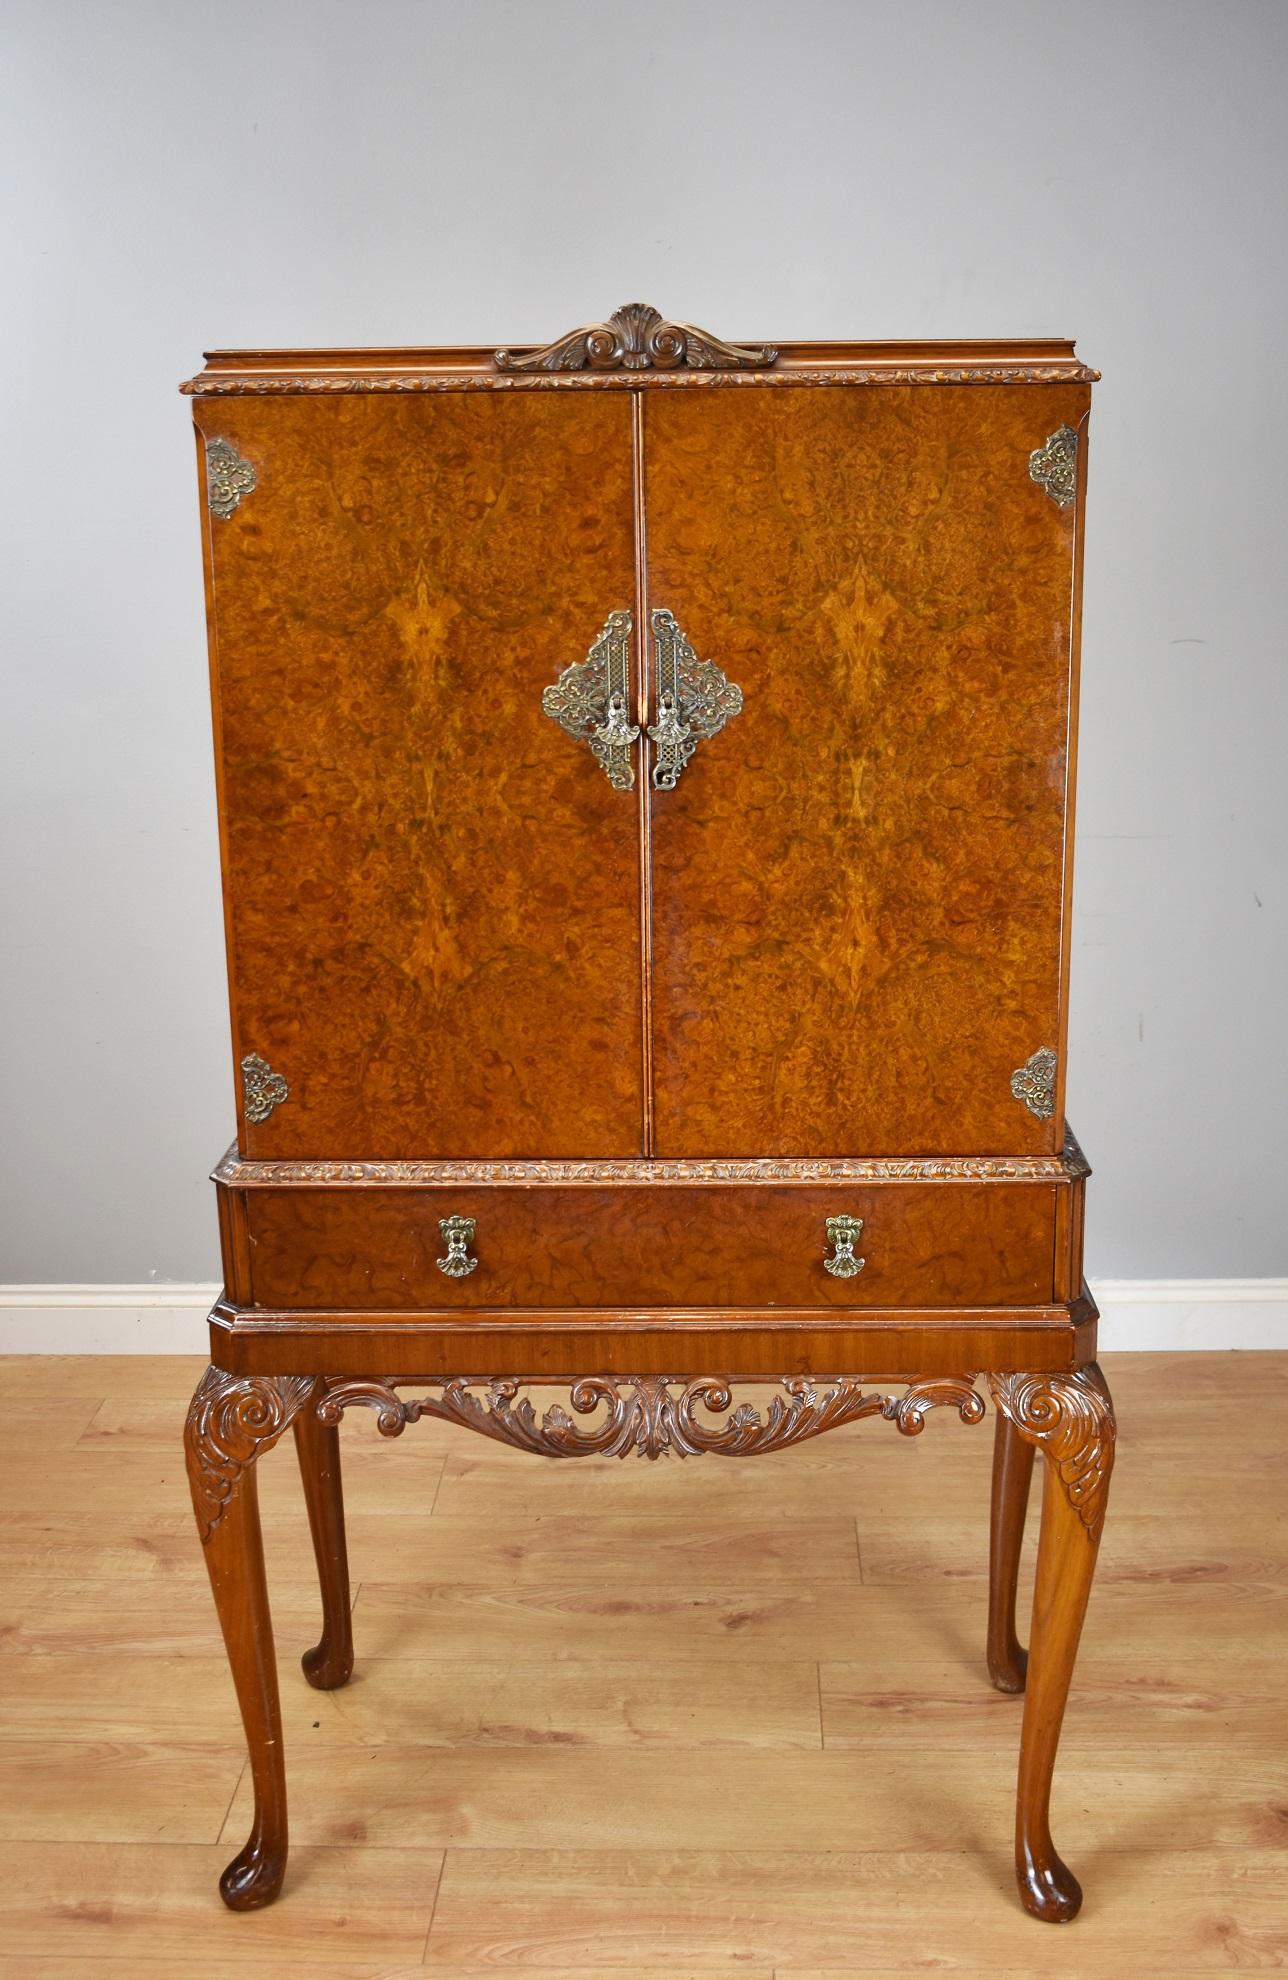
(859, 883)
(431, 890)
(933, 1244)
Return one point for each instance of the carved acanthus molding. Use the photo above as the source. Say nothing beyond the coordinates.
(231, 1419)
(402, 1175)
(1071, 1419)
(648, 1415)
(638, 338)
(1069, 373)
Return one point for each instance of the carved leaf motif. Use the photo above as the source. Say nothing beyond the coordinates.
(651, 1416)
(1071, 1418)
(660, 1172)
(1070, 372)
(638, 338)
(231, 1419)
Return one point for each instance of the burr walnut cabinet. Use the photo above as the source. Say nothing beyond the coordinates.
(645, 784)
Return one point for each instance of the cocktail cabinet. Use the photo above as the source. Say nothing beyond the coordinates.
(645, 784)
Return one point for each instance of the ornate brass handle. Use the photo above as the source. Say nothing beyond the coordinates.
(591, 698)
(458, 1236)
(843, 1235)
(694, 700)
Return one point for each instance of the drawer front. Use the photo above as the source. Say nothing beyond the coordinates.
(653, 1246)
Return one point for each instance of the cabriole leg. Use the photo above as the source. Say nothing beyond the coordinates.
(330, 1663)
(1070, 1419)
(232, 1419)
(1012, 1473)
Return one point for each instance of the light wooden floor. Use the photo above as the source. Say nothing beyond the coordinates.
(683, 1719)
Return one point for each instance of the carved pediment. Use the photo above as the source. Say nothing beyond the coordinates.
(638, 338)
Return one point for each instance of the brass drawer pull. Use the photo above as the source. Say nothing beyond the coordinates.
(458, 1236)
(694, 700)
(843, 1235)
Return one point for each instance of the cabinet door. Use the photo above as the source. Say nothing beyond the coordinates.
(432, 890)
(858, 883)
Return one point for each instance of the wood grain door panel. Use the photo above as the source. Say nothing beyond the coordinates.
(858, 885)
(432, 890)
(934, 1244)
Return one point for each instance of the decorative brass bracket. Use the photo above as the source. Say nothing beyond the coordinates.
(694, 700)
(1033, 1083)
(591, 698)
(1054, 466)
(228, 478)
(264, 1089)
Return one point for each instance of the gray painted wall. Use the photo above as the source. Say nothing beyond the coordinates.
(186, 176)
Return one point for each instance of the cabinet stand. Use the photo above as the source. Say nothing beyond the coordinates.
(1067, 1416)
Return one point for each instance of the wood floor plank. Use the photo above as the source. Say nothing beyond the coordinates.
(1118, 1698)
(134, 1378)
(567, 1910)
(270, 1968)
(908, 1799)
(618, 1620)
(1155, 1548)
(95, 1900)
(131, 1697)
(674, 1553)
(30, 1426)
(43, 1615)
(159, 1791)
(144, 1546)
(292, 1968)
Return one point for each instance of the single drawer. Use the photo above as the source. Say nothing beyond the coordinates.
(653, 1246)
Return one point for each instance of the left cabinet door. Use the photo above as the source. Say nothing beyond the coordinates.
(431, 889)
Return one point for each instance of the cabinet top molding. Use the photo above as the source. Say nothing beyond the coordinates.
(638, 350)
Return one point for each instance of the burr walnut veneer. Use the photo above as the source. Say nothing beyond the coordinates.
(645, 785)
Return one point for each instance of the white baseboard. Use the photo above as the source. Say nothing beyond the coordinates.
(170, 1319)
(149, 1319)
(1150, 1314)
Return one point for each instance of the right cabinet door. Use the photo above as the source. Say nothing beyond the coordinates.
(858, 884)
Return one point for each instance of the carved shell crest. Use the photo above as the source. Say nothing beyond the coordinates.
(638, 338)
